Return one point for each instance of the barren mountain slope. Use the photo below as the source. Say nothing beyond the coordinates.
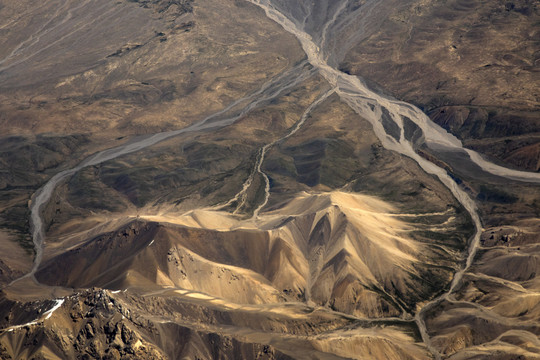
(64, 96)
(336, 250)
(471, 65)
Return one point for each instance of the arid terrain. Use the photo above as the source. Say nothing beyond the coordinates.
(268, 179)
(472, 66)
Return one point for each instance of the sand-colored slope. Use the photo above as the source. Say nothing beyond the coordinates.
(346, 251)
(495, 312)
(355, 249)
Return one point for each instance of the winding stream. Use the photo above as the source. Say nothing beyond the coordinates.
(241, 197)
(267, 92)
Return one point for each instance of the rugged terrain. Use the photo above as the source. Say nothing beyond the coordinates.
(210, 179)
(471, 65)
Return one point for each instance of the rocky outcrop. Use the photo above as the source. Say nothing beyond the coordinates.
(94, 324)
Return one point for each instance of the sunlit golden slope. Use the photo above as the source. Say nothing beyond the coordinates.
(347, 251)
